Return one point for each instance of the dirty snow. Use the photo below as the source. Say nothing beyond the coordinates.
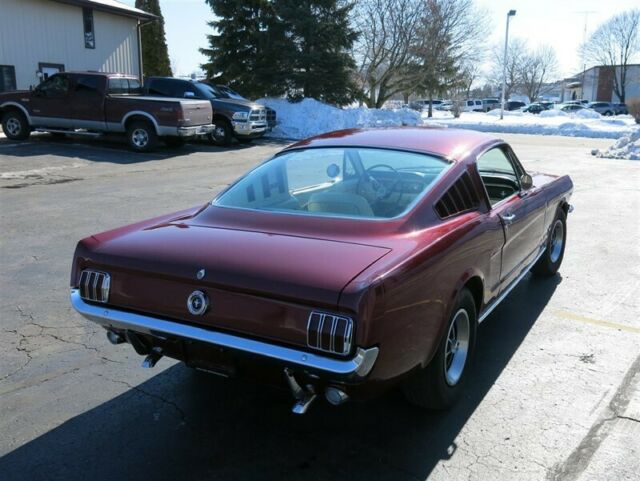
(310, 117)
(626, 147)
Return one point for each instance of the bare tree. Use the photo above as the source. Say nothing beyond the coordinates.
(516, 52)
(387, 29)
(615, 43)
(536, 68)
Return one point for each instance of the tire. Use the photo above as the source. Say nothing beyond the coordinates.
(222, 134)
(550, 261)
(141, 136)
(440, 383)
(608, 113)
(174, 142)
(15, 125)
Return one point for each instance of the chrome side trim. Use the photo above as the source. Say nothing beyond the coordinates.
(357, 367)
(506, 292)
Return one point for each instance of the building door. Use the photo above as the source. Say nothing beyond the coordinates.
(48, 69)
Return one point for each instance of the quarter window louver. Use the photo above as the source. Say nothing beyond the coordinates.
(94, 286)
(330, 333)
(461, 197)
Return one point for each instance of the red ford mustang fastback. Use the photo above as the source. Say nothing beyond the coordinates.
(346, 264)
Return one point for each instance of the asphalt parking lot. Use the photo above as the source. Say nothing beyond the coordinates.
(555, 393)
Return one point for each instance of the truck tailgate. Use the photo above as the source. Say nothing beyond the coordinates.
(196, 112)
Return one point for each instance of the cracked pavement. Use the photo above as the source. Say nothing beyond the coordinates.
(555, 393)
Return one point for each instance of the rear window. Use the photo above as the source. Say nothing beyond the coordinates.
(124, 86)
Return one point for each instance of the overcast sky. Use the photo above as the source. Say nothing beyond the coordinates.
(559, 23)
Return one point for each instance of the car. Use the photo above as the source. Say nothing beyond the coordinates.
(569, 108)
(94, 103)
(472, 105)
(620, 109)
(346, 264)
(534, 108)
(233, 117)
(271, 113)
(490, 104)
(514, 105)
(424, 104)
(603, 108)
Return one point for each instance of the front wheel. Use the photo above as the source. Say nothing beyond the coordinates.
(15, 125)
(550, 261)
(222, 133)
(440, 383)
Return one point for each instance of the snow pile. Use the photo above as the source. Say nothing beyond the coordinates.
(309, 117)
(626, 147)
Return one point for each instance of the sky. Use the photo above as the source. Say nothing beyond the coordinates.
(558, 23)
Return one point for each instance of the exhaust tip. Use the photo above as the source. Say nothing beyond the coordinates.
(335, 396)
(115, 338)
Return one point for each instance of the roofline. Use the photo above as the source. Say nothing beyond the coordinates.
(141, 15)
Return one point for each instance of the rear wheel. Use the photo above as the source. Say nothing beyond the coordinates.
(550, 261)
(440, 383)
(222, 134)
(15, 125)
(142, 136)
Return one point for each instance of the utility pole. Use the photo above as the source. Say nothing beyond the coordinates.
(510, 13)
(584, 39)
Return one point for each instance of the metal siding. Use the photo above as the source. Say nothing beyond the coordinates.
(33, 31)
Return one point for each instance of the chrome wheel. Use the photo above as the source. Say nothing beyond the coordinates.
(13, 126)
(140, 138)
(457, 347)
(219, 133)
(557, 240)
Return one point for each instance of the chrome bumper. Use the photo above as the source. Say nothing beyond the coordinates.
(355, 368)
(196, 130)
(250, 127)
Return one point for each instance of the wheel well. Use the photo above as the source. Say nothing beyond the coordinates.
(476, 288)
(137, 118)
(564, 205)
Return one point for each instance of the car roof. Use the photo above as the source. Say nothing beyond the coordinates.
(452, 144)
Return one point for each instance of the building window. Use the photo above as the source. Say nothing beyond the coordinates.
(89, 34)
(7, 78)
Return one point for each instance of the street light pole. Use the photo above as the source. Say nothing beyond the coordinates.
(510, 14)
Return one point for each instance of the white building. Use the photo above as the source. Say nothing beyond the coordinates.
(597, 84)
(41, 37)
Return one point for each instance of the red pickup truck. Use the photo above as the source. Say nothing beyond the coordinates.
(92, 103)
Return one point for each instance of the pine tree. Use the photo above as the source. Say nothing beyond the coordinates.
(155, 56)
(246, 51)
(318, 53)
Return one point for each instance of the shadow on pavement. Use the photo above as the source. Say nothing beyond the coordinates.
(186, 425)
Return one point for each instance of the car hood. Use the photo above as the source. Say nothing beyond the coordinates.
(285, 267)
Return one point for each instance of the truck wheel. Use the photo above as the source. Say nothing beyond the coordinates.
(440, 383)
(15, 125)
(222, 134)
(142, 136)
(174, 142)
(550, 261)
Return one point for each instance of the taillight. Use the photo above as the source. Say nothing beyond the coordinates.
(330, 333)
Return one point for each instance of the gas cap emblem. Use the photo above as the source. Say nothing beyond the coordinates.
(197, 303)
(201, 273)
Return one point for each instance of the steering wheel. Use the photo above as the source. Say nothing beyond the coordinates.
(380, 191)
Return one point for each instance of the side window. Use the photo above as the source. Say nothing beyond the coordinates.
(160, 87)
(87, 84)
(55, 86)
(87, 23)
(498, 175)
(118, 86)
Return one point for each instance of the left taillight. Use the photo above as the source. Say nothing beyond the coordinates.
(330, 333)
(94, 285)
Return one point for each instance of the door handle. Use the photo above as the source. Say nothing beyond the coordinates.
(508, 218)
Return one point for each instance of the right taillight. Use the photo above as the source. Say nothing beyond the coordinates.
(330, 333)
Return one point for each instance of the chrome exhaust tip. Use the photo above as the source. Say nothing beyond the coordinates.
(335, 396)
(304, 396)
(115, 338)
(154, 356)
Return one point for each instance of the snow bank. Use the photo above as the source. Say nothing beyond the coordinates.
(626, 147)
(310, 117)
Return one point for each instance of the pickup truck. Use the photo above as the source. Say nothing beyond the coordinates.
(93, 103)
(233, 115)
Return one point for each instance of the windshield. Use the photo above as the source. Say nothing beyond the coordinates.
(210, 92)
(337, 182)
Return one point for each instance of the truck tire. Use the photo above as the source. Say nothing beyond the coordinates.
(550, 261)
(174, 142)
(15, 125)
(141, 135)
(222, 134)
(440, 383)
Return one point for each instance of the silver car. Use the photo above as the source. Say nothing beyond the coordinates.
(603, 108)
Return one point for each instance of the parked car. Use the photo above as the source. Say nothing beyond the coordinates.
(233, 117)
(490, 104)
(225, 89)
(534, 108)
(514, 105)
(620, 109)
(346, 264)
(603, 108)
(582, 102)
(91, 103)
(571, 107)
(472, 105)
(424, 104)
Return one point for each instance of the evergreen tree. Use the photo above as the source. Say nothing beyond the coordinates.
(155, 56)
(318, 54)
(246, 51)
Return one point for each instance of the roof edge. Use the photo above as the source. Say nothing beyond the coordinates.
(124, 11)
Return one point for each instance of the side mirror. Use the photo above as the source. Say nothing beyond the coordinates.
(189, 95)
(526, 182)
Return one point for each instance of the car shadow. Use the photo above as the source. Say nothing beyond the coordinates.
(113, 148)
(183, 424)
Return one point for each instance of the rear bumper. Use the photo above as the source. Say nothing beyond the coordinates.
(196, 130)
(352, 369)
